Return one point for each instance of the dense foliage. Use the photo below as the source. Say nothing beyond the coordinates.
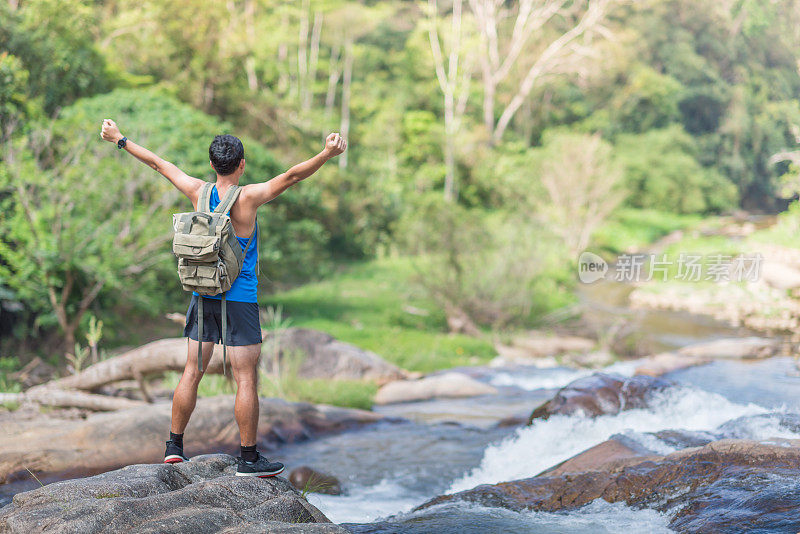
(672, 105)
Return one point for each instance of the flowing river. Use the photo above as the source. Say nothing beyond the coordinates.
(443, 446)
(425, 449)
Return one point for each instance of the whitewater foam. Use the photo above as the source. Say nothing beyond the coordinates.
(459, 517)
(543, 444)
(363, 504)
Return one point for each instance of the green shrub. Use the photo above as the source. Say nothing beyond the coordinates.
(662, 172)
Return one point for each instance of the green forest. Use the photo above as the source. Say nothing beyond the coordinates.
(490, 143)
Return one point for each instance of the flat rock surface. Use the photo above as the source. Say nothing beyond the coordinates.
(198, 496)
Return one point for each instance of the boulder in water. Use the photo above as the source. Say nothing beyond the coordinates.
(725, 486)
(600, 394)
(198, 496)
(449, 384)
(323, 356)
(306, 479)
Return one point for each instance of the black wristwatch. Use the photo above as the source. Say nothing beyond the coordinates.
(121, 142)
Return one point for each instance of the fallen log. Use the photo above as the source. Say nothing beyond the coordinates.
(60, 398)
(153, 358)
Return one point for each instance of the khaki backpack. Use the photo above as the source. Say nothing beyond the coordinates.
(209, 255)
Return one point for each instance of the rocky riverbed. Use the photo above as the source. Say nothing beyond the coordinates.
(700, 435)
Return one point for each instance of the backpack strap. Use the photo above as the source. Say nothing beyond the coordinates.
(204, 201)
(200, 333)
(224, 334)
(226, 203)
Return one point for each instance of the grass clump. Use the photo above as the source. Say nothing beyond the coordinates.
(346, 393)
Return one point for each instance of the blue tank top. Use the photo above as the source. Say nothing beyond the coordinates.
(245, 287)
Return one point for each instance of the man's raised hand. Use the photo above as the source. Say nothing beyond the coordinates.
(335, 144)
(110, 131)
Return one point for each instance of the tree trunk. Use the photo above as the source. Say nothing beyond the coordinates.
(347, 78)
(156, 357)
(59, 398)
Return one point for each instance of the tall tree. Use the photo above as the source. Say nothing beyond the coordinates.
(453, 83)
(545, 38)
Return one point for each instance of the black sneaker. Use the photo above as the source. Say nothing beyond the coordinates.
(174, 454)
(260, 468)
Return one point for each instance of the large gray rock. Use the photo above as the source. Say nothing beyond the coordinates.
(729, 485)
(104, 441)
(323, 356)
(450, 384)
(198, 496)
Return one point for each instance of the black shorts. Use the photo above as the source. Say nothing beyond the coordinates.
(243, 324)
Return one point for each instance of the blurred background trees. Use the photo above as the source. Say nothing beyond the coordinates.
(538, 120)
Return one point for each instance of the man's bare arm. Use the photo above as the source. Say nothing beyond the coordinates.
(258, 194)
(186, 184)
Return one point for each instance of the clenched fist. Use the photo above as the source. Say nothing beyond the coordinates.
(110, 132)
(335, 144)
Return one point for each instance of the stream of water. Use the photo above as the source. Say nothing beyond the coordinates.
(444, 446)
(426, 449)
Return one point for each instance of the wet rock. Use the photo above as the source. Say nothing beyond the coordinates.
(198, 496)
(448, 384)
(36, 372)
(725, 486)
(682, 439)
(511, 421)
(615, 452)
(105, 441)
(600, 394)
(306, 479)
(323, 356)
(742, 427)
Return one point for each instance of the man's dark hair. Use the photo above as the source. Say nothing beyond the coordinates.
(225, 153)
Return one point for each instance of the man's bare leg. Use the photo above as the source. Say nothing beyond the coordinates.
(244, 364)
(185, 397)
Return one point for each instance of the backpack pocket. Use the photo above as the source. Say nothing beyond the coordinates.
(204, 278)
(196, 247)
